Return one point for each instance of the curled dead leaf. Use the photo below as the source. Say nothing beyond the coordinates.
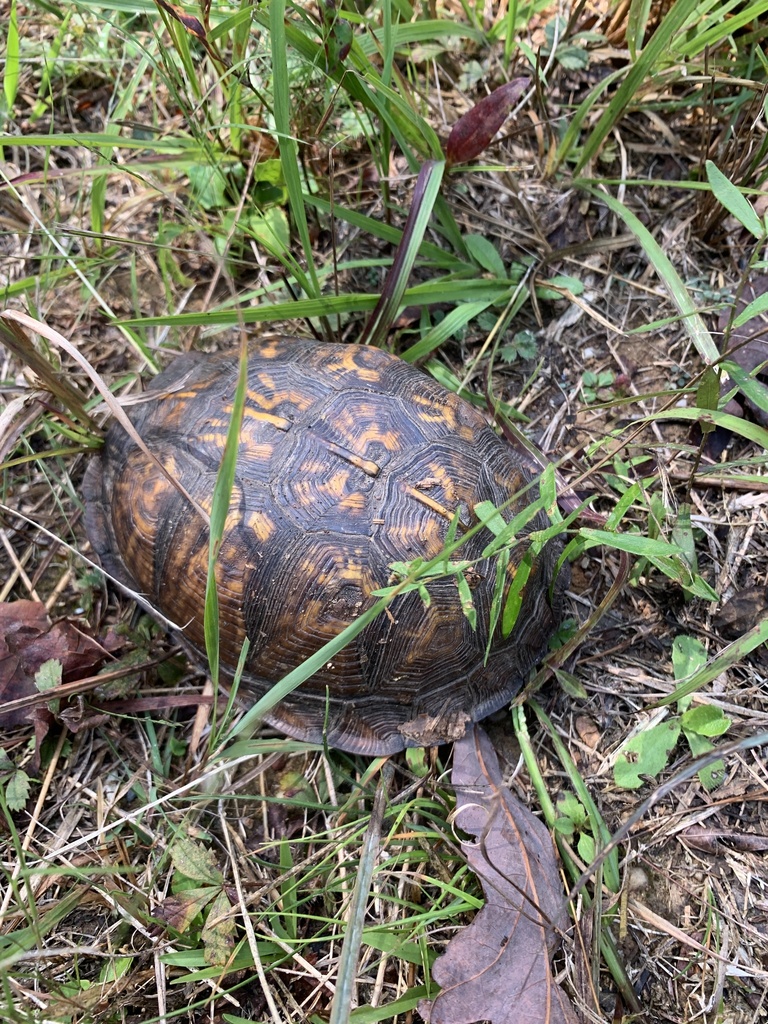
(499, 968)
(742, 612)
(746, 345)
(474, 131)
(28, 641)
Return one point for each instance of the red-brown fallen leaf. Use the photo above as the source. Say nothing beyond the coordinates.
(21, 623)
(499, 968)
(747, 345)
(179, 911)
(20, 616)
(190, 23)
(475, 129)
(743, 611)
(587, 731)
(718, 840)
(26, 641)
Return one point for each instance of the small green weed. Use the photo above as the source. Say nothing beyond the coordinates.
(648, 753)
(572, 821)
(595, 387)
(524, 345)
(15, 784)
(200, 908)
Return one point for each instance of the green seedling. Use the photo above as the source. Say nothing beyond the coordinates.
(522, 346)
(649, 752)
(594, 385)
(15, 784)
(200, 908)
(572, 822)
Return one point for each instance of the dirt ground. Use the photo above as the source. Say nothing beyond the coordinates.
(693, 930)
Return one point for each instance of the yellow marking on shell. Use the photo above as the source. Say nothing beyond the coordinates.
(268, 387)
(349, 569)
(439, 476)
(249, 413)
(353, 360)
(191, 393)
(268, 396)
(315, 467)
(369, 467)
(354, 503)
(261, 452)
(273, 349)
(262, 526)
(368, 374)
(434, 412)
(360, 424)
(307, 488)
(279, 422)
(425, 499)
(215, 438)
(466, 432)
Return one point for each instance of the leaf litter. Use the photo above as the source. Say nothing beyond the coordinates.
(624, 664)
(499, 968)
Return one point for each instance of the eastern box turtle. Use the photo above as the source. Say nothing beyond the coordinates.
(350, 460)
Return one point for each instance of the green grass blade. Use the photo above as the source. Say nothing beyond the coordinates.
(600, 830)
(379, 229)
(425, 194)
(641, 71)
(749, 385)
(288, 147)
(734, 424)
(419, 32)
(451, 324)
(733, 654)
(637, 23)
(222, 494)
(12, 64)
(582, 113)
(724, 20)
(729, 196)
(365, 86)
(346, 978)
(694, 324)
(447, 289)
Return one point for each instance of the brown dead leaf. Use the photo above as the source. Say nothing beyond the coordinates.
(717, 840)
(475, 129)
(743, 611)
(190, 23)
(194, 27)
(21, 624)
(27, 640)
(18, 616)
(499, 968)
(179, 911)
(587, 731)
(747, 344)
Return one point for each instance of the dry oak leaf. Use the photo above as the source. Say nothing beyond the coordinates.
(27, 641)
(499, 968)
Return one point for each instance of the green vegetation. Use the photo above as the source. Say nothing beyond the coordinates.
(591, 267)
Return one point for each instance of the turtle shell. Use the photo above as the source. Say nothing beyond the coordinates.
(350, 460)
